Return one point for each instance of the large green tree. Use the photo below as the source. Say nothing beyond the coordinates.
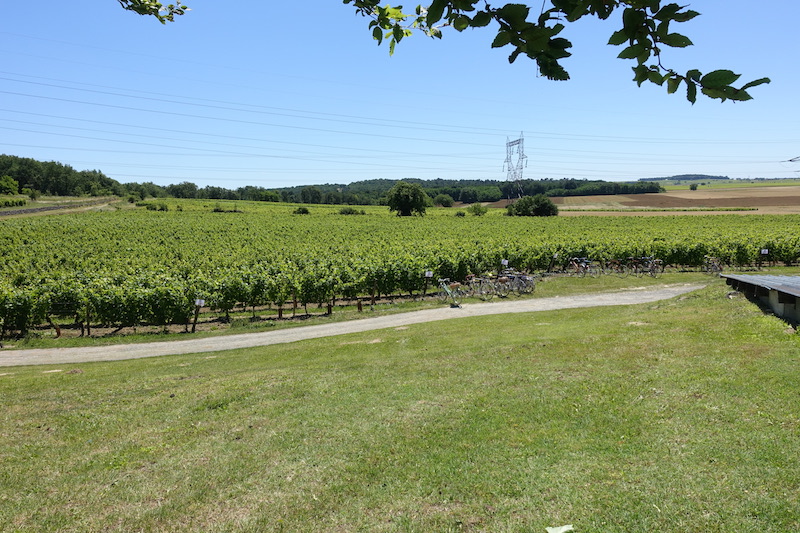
(533, 206)
(645, 31)
(407, 199)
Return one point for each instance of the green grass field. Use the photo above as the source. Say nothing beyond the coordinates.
(676, 416)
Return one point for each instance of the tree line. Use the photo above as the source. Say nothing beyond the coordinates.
(31, 177)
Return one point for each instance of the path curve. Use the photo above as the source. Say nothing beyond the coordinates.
(119, 352)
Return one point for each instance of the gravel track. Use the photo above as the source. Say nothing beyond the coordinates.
(47, 356)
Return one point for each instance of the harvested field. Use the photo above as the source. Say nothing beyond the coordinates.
(754, 200)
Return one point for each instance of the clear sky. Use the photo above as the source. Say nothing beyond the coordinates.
(277, 94)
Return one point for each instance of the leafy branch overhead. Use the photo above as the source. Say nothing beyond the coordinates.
(645, 33)
(645, 30)
(163, 12)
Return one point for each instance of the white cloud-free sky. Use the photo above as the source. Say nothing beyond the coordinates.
(277, 94)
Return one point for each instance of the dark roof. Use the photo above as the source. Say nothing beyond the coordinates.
(785, 284)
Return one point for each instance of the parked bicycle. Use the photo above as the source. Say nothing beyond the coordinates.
(580, 266)
(450, 291)
(712, 265)
(479, 286)
(616, 267)
(512, 281)
(646, 265)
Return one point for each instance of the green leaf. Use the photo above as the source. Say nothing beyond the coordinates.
(740, 95)
(673, 84)
(618, 37)
(691, 91)
(377, 34)
(662, 30)
(644, 55)
(686, 16)
(461, 23)
(676, 40)
(640, 74)
(655, 77)
(718, 94)
(501, 39)
(718, 78)
(632, 52)
(632, 21)
(397, 33)
(755, 83)
(694, 75)
(667, 12)
(514, 14)
(435, 12)
(481, 19)
(537, 39)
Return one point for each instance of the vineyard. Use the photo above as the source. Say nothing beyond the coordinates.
(140, 266)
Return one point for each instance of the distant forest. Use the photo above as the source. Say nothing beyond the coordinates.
(51, 178)
(688, 177)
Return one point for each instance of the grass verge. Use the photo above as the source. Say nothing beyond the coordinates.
(676, 416)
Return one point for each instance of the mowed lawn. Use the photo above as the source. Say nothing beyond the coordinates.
(677, 416)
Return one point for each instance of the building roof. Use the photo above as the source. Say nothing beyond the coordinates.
(785, 284)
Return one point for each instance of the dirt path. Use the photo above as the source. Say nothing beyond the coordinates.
(120, 352)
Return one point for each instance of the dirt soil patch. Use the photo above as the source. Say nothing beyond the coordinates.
(758, 200)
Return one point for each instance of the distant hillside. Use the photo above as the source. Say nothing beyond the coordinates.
(688, 177)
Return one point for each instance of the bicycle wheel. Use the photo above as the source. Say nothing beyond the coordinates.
(486, 290)
(527, 285)
(502, 288)
(456, 296)
(442, 295)
(657, 269)
(469, 290)
(593, 270)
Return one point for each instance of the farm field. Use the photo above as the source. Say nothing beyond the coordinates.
(743, 200)
(122, 268)
(673, 416)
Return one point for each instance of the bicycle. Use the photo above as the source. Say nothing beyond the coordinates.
(511, 280)
(478, 286)
(617, 267)
(450, 291)
(646, 265)
(522, 283)
(502, 286)
(712, 265)
(484, 288)
(580, 266)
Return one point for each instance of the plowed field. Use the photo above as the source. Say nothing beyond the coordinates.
(756, 200)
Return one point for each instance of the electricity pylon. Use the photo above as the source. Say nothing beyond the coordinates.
(516, 160)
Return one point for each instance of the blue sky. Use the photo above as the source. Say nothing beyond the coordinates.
(277, 94)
